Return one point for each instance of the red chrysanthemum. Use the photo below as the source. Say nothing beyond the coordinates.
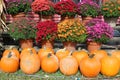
(46, 30)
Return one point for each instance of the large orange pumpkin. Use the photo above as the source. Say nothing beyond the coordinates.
(13, 51)
(50, 63)
(110, 66)
(44, 52)
(68, 65)
(79, 55)
(9, 63)
(61, 53)
(26, 51)
(90, 67)
(30, 63)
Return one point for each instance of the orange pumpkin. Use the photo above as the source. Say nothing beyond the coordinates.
(68, 65)
(99, 51)
(44, 52)
(50, 63)
(61, 53)
(13, 51)
(99, 54)
(90, 67)
(26, 51)
(79, 55)
(9, 63)
(110, 66)
(30, 63)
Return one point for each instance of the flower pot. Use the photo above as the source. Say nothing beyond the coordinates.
(47, 44)
(92, 46)
(71, 46)
(67, 17)
(26, 43)
(104, 1)
(86, 19)
(45, 18)
(111, 21)
(118, 1)
(18, 16)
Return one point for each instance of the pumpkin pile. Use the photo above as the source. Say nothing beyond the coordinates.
(69, 63)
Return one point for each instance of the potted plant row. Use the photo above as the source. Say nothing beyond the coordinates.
(46, 8)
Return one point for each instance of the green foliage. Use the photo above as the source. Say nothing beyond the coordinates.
(80, 39)
(47, 12)
(88, 8)
(14, 8)
(103, 39)
(90, 11)
(69, 14)
(22, 29)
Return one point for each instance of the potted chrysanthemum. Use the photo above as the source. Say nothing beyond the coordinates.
(71, 32)
(46, 33)
(99, 32)
(111, 11)
(66, 8)
(18, 8)
(45, 9)
(88, 9)
(24, 31)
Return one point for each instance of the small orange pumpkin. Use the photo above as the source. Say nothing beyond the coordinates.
(30, 63)
(50, 63)
(99, 54)
(13, 51)
(61, 53)
(110, 66)
(44, 52)
(9, 63)
(79, 55)
(68, 65)
(90, 67)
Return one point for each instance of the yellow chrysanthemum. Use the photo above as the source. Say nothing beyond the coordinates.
(71, 29)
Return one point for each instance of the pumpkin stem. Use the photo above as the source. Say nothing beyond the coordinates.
(109, 54)
(79, 48)
(10, 54)
(70, 53)
(44, 48)
(30, 51)
(49, 55)
(116, 48)
(91, 55)
(12, 47)
(64, 49)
